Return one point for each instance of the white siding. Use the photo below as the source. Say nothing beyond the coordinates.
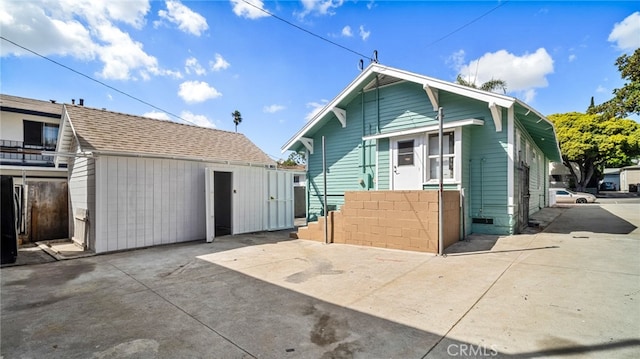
(144, 202)
(82, 189)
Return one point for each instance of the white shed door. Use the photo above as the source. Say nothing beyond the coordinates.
(279, 202)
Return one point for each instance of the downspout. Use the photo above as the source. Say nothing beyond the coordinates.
(363, 161)
(482, 187)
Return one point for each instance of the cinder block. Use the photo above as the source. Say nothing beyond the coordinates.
(377, 196)
(355, 204)
(385, 205)
(393, 232)
(433, 206)
(363, 196)
(370, 222)
(412, 196)
(370, 205)
(394, 196)
(402, 206)
(349, 196)
(377, 229)
(429, 196)
(410, 233)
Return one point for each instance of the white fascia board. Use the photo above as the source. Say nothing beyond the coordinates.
(501, 100)
(328, 108)
(65, 136)
(454, 124)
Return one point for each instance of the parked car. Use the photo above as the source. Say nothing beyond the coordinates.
(608, 186)
(567, 196)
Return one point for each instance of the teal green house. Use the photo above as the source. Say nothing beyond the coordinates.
(381, 133)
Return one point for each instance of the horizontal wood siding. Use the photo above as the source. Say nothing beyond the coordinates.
(467, 147)
(488, 177)
(384, 163)
(82, 189)
(538, 170)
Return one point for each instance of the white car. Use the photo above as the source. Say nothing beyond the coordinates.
(567, 196)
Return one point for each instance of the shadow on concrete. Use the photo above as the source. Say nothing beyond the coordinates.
(184, 306)
(591, 218)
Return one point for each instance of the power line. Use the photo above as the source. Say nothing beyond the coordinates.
(307, 31)
(468, 23)
(96, 80)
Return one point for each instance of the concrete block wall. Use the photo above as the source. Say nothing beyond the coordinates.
(405, 220)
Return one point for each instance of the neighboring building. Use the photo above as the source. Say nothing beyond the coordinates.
(137, 182)
(612, 175)
(299, 189)
(28, 130)
(381, 133)
(630, 178)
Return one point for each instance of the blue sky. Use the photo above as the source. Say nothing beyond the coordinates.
(201, 60)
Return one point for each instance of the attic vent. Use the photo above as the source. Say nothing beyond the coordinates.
(482, 220)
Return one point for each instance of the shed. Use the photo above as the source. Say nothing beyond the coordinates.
(630, 178)
(137, 182)
(381, 133)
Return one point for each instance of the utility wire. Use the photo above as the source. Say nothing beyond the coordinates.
(96, 80)
(468, 23)
(307, 31)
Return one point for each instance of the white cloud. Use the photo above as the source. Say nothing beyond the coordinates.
(456, 60)
(273, 108)
(157, 115)
(186, 19)
(82, 29)
(193, 66)
(371, 4)
(601, 89)
(522, 73)
(249, 11)
(346, 31)
(197, 91)
(364, 34)
(199, 120)
(572, 57)
(319, 7)
(315, 107)
(219, 64)
(626, 34)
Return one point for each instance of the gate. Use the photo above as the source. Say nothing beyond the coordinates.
(523, 207)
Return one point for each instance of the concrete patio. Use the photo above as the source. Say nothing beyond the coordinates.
(572, 290)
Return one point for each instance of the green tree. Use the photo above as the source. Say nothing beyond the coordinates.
(237, 118)
(590, 142)
(490, 85)
(294, 159)
(626, 100)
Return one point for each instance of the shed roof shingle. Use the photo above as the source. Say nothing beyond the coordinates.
(101, 130)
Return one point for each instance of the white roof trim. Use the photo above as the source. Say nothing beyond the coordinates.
(447, 125)
(435, 84)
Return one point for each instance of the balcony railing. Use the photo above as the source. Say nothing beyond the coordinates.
(17, 153)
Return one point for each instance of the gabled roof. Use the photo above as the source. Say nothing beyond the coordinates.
(539, 127)
(30, 106)
(111, 133)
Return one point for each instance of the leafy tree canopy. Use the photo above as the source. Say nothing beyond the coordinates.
(593, 142)
(491, 85)
(626, 100)
(294, 159)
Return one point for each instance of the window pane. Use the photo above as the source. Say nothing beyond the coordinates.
(434, 169)
(405, 153)
(50, 136)
(32, 133)
(448, 142)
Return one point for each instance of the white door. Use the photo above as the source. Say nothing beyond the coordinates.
(279, 202)
(407, 163)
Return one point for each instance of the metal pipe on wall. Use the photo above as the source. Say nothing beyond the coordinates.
(440, 185)
(324, 190)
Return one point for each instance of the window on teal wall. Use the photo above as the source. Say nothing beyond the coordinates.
(448, 156)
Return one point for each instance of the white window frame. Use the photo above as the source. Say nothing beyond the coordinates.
(457, 158)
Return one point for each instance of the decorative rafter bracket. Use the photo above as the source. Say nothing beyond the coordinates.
(433, 95)
(496, 113)
(307, 143)
(341, 115)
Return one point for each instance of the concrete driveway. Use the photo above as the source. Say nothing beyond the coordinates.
(572, 290)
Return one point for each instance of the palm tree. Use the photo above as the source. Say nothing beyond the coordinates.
(237, 118)
(490, 85)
